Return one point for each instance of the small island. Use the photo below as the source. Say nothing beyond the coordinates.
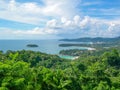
(32, 45)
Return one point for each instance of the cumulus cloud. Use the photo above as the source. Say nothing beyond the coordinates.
(61, 18)
(75, 27)
(86, 26)
(76, 19)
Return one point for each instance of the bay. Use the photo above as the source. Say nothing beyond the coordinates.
(45, 46)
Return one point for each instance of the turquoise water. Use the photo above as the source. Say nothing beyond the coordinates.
(67, 57)
(46, 46)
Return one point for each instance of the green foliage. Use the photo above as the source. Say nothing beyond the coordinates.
(112, 58)
(28, 70)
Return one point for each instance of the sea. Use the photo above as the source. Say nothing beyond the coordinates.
(45, 46)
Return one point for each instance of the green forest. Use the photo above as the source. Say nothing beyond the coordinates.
(30, 70)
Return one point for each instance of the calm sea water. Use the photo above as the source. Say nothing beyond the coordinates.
(46, 46)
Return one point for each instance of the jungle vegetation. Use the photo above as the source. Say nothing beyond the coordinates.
(30, 70)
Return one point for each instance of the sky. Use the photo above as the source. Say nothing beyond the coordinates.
(56, 19)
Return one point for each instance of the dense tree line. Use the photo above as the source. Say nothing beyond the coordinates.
(85, 52)
(29, 70)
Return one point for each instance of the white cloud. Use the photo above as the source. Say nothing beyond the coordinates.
(52, 23)
(42, 33)
(91, 3)
(76, 19)
(75, 27)
(35, 31)
(33, 13)
(62, 18)
(87, 26)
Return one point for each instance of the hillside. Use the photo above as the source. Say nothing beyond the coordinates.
(97, 39)
(29, 70)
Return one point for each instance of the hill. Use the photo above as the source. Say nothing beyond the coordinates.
(97, 39)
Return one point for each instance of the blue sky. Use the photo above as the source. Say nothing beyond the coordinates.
(50, 19)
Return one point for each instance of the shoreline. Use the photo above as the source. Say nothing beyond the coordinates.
(90, 49)
(68, 57)
(76, 57)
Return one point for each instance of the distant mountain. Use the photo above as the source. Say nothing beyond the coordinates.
(97, 39)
